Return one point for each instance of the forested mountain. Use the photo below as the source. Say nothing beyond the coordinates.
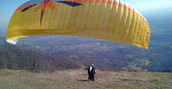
(18, 57)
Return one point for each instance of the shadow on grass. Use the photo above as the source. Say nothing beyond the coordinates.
(84, 80)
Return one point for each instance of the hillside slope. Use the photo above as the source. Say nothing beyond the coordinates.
(77, 79)
(16, 57)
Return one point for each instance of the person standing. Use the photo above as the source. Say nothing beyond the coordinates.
(91, 72)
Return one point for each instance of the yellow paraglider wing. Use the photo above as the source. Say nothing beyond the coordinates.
(102, 19)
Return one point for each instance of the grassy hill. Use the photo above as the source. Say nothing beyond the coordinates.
(77, 79)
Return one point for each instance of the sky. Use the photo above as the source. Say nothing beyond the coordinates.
(159, 7)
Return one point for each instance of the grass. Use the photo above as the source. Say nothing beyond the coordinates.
(77, 79)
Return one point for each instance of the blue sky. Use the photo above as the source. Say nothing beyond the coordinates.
(8, 7)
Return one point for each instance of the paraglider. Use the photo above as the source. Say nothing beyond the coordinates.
(101, 19)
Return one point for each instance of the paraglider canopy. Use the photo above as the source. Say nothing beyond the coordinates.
(101, 19)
